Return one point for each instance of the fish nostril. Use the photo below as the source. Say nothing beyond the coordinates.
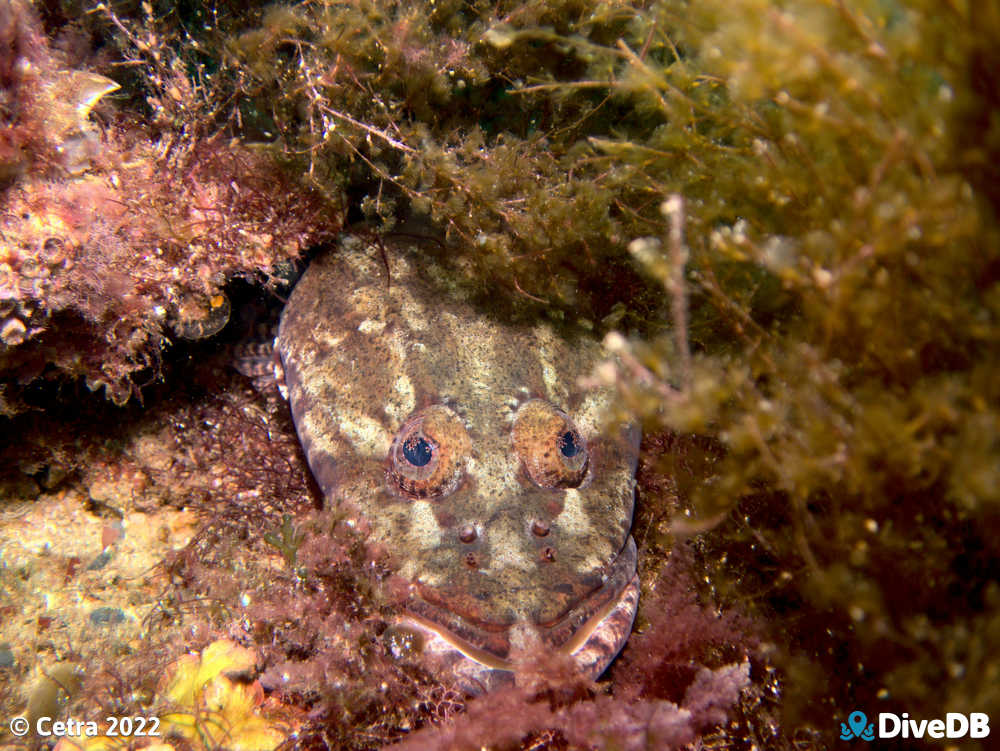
(539, 528)
(549, 554)
(471, 561)
(468, 533)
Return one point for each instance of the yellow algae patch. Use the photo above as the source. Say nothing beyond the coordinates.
(210, 709)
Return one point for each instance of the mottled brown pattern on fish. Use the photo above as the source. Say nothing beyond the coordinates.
(462, 439)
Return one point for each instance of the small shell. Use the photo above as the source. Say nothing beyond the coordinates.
(13, 332)
(200, 319)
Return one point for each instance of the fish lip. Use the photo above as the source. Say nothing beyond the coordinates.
(593, 631)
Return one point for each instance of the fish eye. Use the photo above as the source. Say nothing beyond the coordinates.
(428, 456)
(549, 445)
(568, 444)
(417, 450)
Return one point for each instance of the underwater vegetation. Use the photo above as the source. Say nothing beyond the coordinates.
(782, 217)
(201, 705)
(119, 233)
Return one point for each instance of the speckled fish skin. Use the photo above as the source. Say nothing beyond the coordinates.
(496, 562)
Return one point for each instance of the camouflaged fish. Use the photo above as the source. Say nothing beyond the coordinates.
(462, 440)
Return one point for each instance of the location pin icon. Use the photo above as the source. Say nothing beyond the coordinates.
(857, 721)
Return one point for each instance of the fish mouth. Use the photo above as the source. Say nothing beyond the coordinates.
(482, 655)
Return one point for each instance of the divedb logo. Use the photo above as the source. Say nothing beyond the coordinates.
(954, 725)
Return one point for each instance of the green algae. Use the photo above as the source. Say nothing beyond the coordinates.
(287, 540)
